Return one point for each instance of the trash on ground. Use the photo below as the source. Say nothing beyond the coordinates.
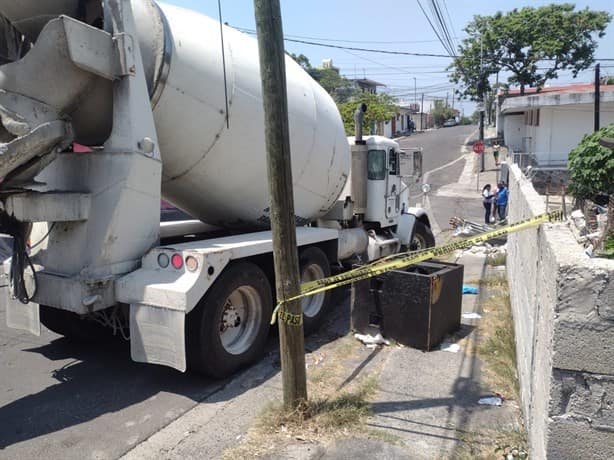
(589, 250)
(450, 347)
(472, 315)
(491, 401)
(315, 360)
(370, 339)
(469, 289)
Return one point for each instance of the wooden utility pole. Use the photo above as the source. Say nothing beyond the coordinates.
(275, 103)
(422, 121)
(597, 97)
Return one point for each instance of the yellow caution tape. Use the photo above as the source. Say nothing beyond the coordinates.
(402, 260)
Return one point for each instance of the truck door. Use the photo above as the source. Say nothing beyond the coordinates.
(393, 185)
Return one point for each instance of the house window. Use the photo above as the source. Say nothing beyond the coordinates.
(536, 118)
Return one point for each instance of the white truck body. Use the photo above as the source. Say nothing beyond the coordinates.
(143, 87)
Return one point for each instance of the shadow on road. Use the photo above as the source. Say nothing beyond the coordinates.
(101, 379)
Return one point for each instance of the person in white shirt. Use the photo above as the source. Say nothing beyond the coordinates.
(487, 201)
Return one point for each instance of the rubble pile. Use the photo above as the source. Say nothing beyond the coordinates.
(489, 249)
(589, 232)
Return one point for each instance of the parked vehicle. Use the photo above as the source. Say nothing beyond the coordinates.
(450, 122)
(144, 87)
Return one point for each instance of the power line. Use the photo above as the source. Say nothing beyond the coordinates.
(352, 48)
(441, 24)
(445, 4)
(432, 26)
(371, 50)
(398, 69)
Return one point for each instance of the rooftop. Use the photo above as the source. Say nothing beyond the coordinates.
(583, 93)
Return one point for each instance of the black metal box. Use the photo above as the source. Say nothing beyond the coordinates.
(417, 306)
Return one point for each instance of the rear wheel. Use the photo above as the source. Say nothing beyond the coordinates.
(228, 328)
(423, 237)
(314, 265)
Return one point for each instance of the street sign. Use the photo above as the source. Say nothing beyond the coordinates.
(479, 107)
(478, 147)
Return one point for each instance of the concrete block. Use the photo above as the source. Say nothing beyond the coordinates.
(605, 301)
(590, 396)
(583, 346)
(572, 439)
(579, 288)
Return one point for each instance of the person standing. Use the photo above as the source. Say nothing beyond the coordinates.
(495, 152)
(487, 201)
(501, 200)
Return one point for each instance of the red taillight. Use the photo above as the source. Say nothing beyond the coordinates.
(177, 261)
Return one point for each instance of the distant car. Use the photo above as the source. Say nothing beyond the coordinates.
(450, 122)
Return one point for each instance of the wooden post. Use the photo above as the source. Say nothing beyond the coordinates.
(597, 98)
(275, 103)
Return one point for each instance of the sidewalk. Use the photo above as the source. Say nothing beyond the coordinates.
(426, 403)
(463, 198)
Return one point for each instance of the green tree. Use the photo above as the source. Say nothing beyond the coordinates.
(441, 113)
(591, 170)
(380, 107)
(340, 88)
(532, 44)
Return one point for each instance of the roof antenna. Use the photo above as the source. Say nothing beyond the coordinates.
(219, 8)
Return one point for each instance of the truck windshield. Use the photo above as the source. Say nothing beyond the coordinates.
(376, 164)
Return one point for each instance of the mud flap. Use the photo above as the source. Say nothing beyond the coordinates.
(157, 336)
(24, 317)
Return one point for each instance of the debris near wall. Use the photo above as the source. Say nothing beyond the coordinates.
(464, 228)
(589, 231)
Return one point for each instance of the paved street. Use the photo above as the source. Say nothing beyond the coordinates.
(62, 400)
(441, 147)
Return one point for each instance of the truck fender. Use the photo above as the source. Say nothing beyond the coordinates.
(407, 224)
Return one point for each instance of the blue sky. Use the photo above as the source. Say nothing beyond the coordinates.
(389, 25)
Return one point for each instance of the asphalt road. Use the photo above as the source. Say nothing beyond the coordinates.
(59, 400)
(440, 147)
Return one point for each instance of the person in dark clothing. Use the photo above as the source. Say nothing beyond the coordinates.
(487, 200)
(501, 200)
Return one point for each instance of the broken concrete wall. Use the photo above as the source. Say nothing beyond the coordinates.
(563, 306)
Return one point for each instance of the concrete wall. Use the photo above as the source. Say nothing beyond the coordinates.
(514, 131)
(563, 306)
(560, 129)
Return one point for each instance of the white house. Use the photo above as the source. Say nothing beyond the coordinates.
(549, 124)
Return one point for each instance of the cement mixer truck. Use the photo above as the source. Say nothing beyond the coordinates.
(107, 107)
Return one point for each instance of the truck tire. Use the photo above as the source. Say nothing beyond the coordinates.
(314, 265)
(72, 326)
(228, 328)
(423, 237)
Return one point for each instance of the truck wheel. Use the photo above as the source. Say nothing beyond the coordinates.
(228, 328)
(73, 327)
(423, 237)
(314, 265)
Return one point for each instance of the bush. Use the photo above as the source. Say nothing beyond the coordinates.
(591, 166)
